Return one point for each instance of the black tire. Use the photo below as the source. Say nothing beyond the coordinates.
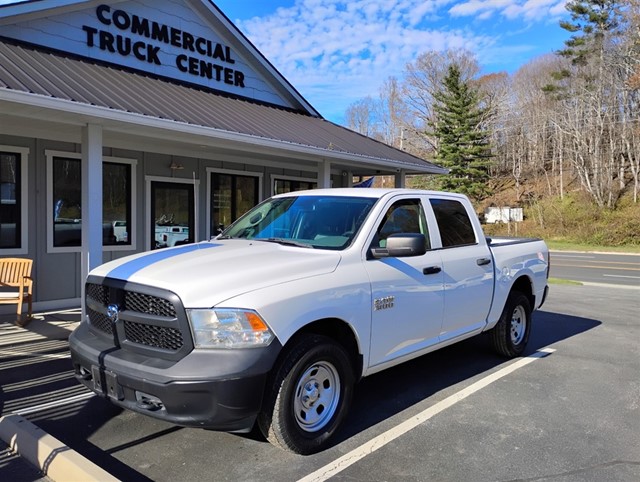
(510, 336)
(308, 396)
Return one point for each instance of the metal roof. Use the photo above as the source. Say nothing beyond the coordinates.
(36, 71)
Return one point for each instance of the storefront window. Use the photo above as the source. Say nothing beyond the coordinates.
(232, 196)
(10, 200)
(67, 209)
(281, 186)
(116, 203)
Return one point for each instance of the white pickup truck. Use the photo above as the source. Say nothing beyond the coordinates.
(275, 320)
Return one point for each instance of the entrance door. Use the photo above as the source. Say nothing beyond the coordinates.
(172, 214)
(232, 196)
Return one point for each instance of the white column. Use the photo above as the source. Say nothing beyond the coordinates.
(349, 179)
(324, 175)
(401, 178)
(91, 199)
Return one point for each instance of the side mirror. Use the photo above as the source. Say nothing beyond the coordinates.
(402, 245)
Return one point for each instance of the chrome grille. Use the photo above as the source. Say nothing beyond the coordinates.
(151, 305)
(152, 335)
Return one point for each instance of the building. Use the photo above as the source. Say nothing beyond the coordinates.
(133, 125)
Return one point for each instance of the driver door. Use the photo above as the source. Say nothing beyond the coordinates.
(407, 293)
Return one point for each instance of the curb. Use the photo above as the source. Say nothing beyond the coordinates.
(48, 454)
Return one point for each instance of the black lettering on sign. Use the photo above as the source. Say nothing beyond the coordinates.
(180, 61)
(106, 41)
(239, 79)
(90, 34)
(160, 33)
(121, 20)
(140, 26)
(152, 55)
(128, 45)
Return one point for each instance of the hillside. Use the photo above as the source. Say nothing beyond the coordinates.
(572, 218)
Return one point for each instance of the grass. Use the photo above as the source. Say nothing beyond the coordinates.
(558, 281)
(569, 246)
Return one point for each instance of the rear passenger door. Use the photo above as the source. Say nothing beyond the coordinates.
(467, 266)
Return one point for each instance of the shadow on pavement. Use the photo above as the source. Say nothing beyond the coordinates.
(388, 393)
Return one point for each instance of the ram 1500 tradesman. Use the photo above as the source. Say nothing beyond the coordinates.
(274, 320)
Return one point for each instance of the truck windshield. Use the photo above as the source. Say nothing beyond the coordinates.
(326, 222)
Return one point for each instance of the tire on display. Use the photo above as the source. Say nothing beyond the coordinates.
(308, 395)
(511, 334)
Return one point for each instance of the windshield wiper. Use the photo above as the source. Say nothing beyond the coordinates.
(285, 242)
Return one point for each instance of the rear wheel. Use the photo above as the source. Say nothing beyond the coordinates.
(309, 395)
(511, 334)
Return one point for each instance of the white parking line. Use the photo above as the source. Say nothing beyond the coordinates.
(383, 439)
(620, 276)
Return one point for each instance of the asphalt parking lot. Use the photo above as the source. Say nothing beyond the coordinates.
(569, 412)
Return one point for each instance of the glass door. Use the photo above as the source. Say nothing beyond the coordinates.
(232, 196)
(172, 214)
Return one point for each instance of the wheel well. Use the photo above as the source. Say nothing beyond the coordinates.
(523, 285)
(340, 332)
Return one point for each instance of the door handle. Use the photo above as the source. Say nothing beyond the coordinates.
(483, 261)
(432, 270)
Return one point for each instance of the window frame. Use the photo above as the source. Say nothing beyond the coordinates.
(272, 186)
(437, 224)
(50, 155)
(148, 235)
(23, 152)
(230, 172)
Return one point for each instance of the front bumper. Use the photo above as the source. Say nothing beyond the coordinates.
(215, 389)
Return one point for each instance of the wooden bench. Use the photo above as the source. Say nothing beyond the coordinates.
(16, 285)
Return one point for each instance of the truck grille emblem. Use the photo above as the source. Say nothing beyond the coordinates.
(112, 313)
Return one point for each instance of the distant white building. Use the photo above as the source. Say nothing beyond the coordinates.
(494, 215)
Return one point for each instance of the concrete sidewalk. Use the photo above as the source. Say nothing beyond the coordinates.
(27, 452)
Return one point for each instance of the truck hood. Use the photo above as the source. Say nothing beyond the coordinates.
(205, 274)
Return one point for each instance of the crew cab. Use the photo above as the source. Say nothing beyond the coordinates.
(275, 320)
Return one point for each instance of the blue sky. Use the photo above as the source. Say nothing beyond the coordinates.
(336, 52)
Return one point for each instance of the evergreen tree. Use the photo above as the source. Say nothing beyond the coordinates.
(591, 21)
(594, 25)
(463, 144)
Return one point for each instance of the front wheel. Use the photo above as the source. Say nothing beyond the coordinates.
(511, 334)
(309, 395)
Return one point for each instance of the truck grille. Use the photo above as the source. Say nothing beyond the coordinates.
(157, 336)
(100, 321)
(151, 305)
(148, 319)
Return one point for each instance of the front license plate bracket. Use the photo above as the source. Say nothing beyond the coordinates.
(108, 385)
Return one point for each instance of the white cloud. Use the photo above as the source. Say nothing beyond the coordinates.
(338, 51)
(528, 10)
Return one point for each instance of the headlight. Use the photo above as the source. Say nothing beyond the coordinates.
(228, 328)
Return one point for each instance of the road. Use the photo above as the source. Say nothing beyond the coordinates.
(622, 269)
(569, 410)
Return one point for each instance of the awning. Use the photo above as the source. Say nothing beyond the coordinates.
(30, 75)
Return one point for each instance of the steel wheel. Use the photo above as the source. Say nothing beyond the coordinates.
(308, 395)
(317, 396)
(518, 325)
(511, 333)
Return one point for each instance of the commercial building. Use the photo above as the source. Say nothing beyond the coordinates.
(133, 125)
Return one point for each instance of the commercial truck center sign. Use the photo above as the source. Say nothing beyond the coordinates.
(200, 57)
